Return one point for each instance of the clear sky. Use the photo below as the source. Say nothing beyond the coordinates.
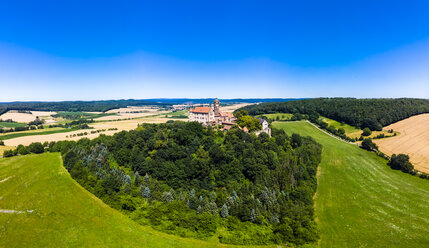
(83, 50)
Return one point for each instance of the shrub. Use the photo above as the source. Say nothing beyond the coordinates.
(366, 132)
(401, 162)
(23, 150)
(36, 147)
(8, 153)
(368, 145)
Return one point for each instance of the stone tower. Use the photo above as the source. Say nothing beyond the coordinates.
(216, 104)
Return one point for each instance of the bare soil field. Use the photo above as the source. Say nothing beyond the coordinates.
(119, 125)
(413, 140)
(24, 117)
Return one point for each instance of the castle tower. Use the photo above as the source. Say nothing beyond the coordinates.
(216, 104)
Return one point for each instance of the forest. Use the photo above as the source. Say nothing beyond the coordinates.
(363, 113)
(195, 181)
(73, 106)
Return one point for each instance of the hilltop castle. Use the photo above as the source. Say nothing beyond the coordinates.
(211, 115)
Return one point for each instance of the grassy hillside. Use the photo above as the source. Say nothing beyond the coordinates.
(361, 202)
(65, 215)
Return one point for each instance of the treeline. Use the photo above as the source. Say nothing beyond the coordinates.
(88, 106)
(194, 181)
(362, 113)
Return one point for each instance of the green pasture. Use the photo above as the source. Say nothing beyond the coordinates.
(360, 201)
(281, 116)
(181, 114)
(350, 130)
(4, 124)
(65, 214)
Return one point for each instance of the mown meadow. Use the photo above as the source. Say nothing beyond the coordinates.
(360, 201)
(64, 214)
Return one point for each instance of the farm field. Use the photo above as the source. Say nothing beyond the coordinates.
(360, 201)
(37, 132)
(57, 212)
(231, 108)
(66, 134)
(4, 124)
(130, 112)
(80, 115)
(414, 141)
(25, 117)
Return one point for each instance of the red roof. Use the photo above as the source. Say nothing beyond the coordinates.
(205, 110)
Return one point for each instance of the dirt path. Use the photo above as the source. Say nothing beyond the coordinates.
(4, 180)
(11, 211)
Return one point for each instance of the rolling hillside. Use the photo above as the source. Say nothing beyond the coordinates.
(361, 202)
(52, 210)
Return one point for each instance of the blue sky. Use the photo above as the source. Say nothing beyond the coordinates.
(75, 50)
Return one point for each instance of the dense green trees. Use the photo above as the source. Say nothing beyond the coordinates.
(362, 113)
(252, 124)
(90, 106)
(368, 145)
(401, 162)
(201, 182)
(366, 132)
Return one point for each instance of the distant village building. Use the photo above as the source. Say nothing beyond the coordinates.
(265, 128)
(211, 115)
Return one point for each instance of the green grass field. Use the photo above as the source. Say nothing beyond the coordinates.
(12, 135)
(80, 115)
(4, 124)
(65, 214)
(360, 201)
(182, 114)
(350, 130)
(282, 116)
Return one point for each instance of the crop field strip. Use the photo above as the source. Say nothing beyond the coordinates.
(12, 135)
(4, 124)
(361, 202)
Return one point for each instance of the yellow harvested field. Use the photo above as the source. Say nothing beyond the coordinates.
(413, 140)
(130, 112)
(120, 125)
(24, 117)
(232, 108)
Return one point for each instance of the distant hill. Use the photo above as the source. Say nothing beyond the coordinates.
(228, 101)
(88, 106)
